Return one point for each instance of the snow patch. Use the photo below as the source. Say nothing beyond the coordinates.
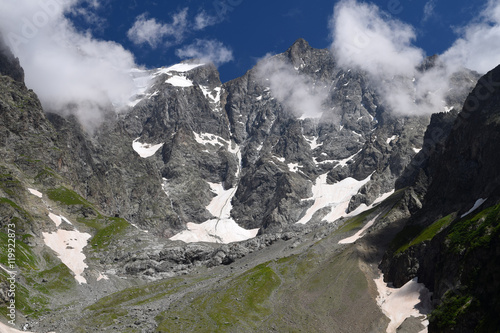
(360, 233)
(294, 167)
(313, 142)
(448, 108)
(215, 231)
(281, 159)
(400, 303)
(102, 277)
(210, 139)
(363, 207)
(58, 219)
(179, 81)
(180, 68)
(145, 149)
(69, 246)
(417, 150)
(213, 96)
(478, 203)
(35, 192)
(392, 138)
(336, 196)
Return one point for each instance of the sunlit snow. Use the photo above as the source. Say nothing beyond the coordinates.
(400, 303)
(360, 233)
(392, 138)
(69, 246)
(58, 219)
(145, 149)
(478, 203)
(313, 142)
(336, 196)
(179, 81)
(35, 192)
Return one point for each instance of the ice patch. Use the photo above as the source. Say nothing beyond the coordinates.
(336, 196)
(210, 139)
(313, 142)
(179, 81)
(341, 163)
(214, 95)
(69, 246)
(58, 219)
(180, 68)
(392, 138)
(478, 203)
(215, 231)
(360, 233)
(363, 207)
(35, 192)
(400, 303)
(145, 149)
(102, 277)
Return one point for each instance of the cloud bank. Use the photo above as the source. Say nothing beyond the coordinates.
(70, 71)
(295, 91)
(366, 38)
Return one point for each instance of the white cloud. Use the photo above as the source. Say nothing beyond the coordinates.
(153, 33)
(478, 48)
(206, 51)
(203, 20)
(295, 91)
(366, 38)
(71, 72)
(429, 8)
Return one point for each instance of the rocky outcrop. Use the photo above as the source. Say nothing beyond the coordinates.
(451, 242)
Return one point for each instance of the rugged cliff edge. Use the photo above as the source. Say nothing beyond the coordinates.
(452, 244)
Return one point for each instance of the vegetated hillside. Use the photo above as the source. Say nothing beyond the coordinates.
(452, 244)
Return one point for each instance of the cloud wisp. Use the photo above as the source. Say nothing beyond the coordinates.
(295, 91)
(366, 38)
(71, 72)
(206, 50)
(153, 33)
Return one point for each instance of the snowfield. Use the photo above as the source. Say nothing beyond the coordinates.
(400, 303)
(336, 196)
(145, 150)
(69, 246)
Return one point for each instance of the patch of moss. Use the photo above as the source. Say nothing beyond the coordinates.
(66, 197)
(355, 222)
(10, 185)
(445, 315)
(417, 235)
(243, 303)
(136, 294)
(104, 235)
(470, 233)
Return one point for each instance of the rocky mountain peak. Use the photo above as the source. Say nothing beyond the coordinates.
(9, 65)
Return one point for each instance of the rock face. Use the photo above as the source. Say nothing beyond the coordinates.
(267, 144)
(452, 242)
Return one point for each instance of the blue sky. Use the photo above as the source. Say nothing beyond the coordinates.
(252, 29)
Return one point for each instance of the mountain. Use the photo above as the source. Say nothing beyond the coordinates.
(245, 205)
